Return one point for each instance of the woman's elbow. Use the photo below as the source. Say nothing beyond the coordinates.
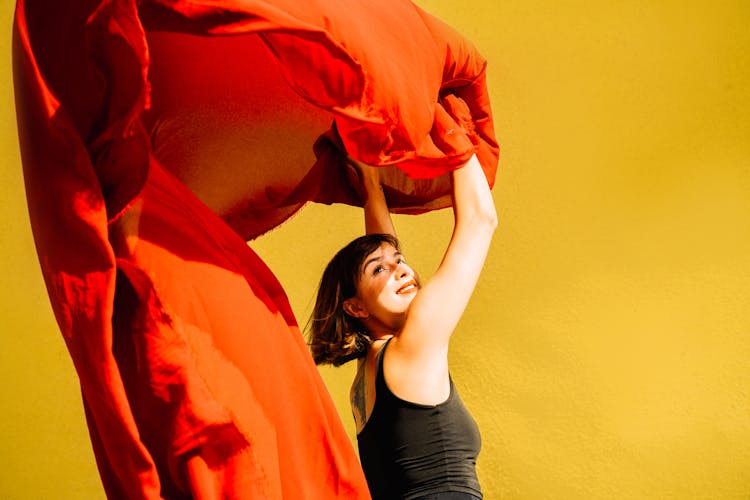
(482, 220)
(491, 223)
(487, 216)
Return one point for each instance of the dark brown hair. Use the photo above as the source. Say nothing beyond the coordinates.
(336, 337)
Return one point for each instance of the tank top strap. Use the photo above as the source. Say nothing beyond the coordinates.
(381, 388)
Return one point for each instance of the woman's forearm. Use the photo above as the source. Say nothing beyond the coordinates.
(377, 216)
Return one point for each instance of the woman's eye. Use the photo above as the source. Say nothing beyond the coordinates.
(378, 269)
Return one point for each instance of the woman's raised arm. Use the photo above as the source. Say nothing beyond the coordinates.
(367, 184)
(438, 306)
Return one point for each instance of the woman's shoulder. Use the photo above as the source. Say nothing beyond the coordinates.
(418, 379)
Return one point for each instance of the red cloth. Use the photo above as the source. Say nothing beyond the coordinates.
(183, 340)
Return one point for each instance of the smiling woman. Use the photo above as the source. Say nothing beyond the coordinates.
(157, 137)
(416, 437)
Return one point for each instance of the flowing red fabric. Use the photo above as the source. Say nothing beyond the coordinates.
(157, 137)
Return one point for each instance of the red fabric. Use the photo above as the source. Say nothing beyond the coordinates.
(183, 340)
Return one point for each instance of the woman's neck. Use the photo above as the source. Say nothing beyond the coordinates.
(382, 336)
(379, 330)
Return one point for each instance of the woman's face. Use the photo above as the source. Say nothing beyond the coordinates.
(386, 286)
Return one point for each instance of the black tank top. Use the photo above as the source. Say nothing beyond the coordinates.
(409, 450)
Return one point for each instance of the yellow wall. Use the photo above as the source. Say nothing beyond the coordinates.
(606, 351)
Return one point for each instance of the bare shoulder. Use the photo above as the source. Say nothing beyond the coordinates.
(419, 377)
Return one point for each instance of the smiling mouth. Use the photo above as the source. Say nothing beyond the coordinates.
(407, 288)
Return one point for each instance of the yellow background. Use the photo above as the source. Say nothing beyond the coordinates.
(606, 351)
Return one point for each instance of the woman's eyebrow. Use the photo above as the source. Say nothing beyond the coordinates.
(375, 259)
(370, 261)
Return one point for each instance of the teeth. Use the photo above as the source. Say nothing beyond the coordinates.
(407, 288)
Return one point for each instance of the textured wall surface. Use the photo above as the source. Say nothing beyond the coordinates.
(606, 351)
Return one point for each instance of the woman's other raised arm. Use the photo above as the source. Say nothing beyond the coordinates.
(438, 306)
(366, 181)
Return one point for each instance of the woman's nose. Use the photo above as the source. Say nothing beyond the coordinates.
(402, 270)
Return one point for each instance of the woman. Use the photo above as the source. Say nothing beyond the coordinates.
(416, 438)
